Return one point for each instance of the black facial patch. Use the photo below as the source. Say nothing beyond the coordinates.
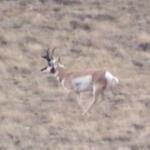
(53, 70)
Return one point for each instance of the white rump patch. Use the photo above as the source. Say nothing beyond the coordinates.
(111, 80)
(83, 83)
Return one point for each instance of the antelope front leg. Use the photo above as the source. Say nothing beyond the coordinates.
(68, 94)
(78, 100)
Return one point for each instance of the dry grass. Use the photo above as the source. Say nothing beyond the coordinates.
(34, 111)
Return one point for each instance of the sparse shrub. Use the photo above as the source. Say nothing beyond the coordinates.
(80, 25)
(3, 41)
(144, 46)
(67, 2)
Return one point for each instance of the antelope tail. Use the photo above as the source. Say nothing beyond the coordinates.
(111, 80)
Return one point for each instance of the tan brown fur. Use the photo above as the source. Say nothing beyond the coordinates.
(93, 80)
(98, 80)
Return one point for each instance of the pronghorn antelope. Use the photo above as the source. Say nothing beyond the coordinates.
(95, 81)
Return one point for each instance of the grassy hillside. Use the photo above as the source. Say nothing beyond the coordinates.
(107, 34)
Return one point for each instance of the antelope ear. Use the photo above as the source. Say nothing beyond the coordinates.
(57, 60)
(43, 69)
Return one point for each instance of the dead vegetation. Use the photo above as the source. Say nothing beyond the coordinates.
(112, 35)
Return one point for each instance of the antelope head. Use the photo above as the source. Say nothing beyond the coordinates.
(49, 57)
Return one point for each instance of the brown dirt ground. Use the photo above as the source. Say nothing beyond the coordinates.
(105, 34)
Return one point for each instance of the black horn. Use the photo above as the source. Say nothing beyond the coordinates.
(47, 56)
(52, 52)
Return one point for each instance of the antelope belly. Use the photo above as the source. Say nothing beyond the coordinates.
(83, 83)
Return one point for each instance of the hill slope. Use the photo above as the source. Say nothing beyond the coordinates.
(34, 111)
